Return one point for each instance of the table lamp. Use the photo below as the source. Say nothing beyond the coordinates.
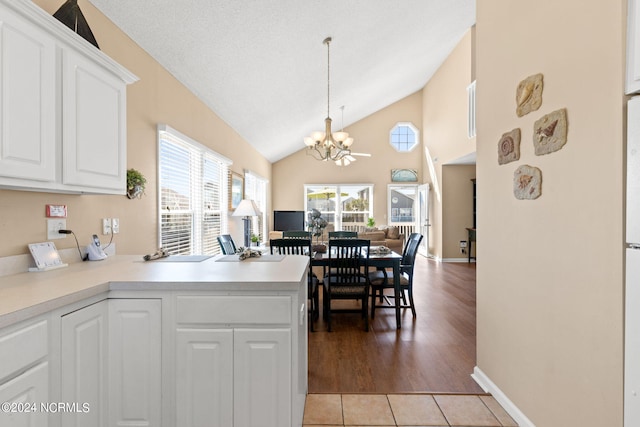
(246, 209)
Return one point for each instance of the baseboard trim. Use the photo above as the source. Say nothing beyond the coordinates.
(457, 260)
(490, 387)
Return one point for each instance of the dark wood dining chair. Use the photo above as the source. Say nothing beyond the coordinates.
(227, 245)
(348, 277)
(343, 235)
(383, 279)
(297, 246)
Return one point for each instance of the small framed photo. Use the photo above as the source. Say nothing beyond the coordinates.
(404, 175)
(236, 190)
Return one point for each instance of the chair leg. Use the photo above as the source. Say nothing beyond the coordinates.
(413, 306)
(365, 311)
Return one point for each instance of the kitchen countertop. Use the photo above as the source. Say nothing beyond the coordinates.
(26, 295)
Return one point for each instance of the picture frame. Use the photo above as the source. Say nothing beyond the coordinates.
(236, 189)
(404, 175)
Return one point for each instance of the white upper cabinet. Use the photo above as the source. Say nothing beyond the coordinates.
(28, 100)
(63, 107)
(633, 48)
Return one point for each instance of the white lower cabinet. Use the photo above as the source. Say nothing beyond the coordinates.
(110, 361)
(233, 377)
(24, 374)
(204, 382)
(83, 375)
(238, 360)
(134, 363)
(22, 397)
(262, 377)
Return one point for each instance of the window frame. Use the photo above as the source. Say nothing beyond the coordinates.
(200, 241)
(338, 213)
(416, 133)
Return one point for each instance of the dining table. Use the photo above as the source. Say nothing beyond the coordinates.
(378, 259)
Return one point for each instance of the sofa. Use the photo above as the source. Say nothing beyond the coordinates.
(384, 236)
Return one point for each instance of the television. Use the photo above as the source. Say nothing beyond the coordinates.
(288, 220)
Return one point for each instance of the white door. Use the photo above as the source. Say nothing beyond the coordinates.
(632, 341)
(262, 378)
(423, 218)
(134, 362)
(84, 364)
(30, 388)
(204, 377)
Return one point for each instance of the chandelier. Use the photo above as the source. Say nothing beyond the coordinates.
(326, 145)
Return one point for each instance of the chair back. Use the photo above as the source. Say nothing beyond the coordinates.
(343, 235)
(290, 246)
(227, 245)
(296, 234)
(348, 260)
(410, 252)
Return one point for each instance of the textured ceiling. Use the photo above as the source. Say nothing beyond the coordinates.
(262, 67)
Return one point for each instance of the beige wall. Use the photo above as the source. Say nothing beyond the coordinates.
(371, 135)
(445, 124)
(457, 208)
(156, 98)
(550, 275)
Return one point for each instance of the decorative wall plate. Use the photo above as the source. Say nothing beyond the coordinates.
(527, 183)
(550, 132)
(509, 147)
(529, 95)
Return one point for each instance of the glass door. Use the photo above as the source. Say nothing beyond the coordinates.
(423, 218)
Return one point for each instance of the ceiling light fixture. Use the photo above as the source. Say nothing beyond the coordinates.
(326, 145)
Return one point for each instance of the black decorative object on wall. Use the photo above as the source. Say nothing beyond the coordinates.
(71, 16)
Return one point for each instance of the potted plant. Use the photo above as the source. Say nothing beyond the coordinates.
(371, 222)
(255, 239)
(135, 184)
(316, 225)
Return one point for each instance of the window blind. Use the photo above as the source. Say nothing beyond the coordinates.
(193, 193)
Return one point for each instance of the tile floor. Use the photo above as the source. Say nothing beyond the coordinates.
(441, 410)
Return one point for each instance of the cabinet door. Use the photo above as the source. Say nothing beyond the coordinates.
(93, 126)
(204, 378)
(134, 362)
(29, 388)
(27, 97)
(84, 364)
(262, 377)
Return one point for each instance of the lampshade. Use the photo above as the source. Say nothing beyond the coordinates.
(246, 207)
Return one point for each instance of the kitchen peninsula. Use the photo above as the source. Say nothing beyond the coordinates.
(159, 343)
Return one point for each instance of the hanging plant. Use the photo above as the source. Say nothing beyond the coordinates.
(135, 184)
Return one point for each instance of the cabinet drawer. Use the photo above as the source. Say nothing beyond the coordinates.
(23, 347)
(234, 309)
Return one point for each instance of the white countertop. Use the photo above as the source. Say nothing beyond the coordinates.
(26, 295)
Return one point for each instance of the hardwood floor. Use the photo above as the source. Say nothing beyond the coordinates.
(434, 353)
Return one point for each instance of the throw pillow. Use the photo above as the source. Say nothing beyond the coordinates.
(393, 233)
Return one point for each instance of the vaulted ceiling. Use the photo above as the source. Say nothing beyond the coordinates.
(262, 65)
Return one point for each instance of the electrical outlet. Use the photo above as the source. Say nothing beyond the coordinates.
(53, 225)
(106, 226)
(115, 225)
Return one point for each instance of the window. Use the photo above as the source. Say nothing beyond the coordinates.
(344, 206)
(404, 137)
(471, 109)
(402, 204)
(192, 194)
(255, 188)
